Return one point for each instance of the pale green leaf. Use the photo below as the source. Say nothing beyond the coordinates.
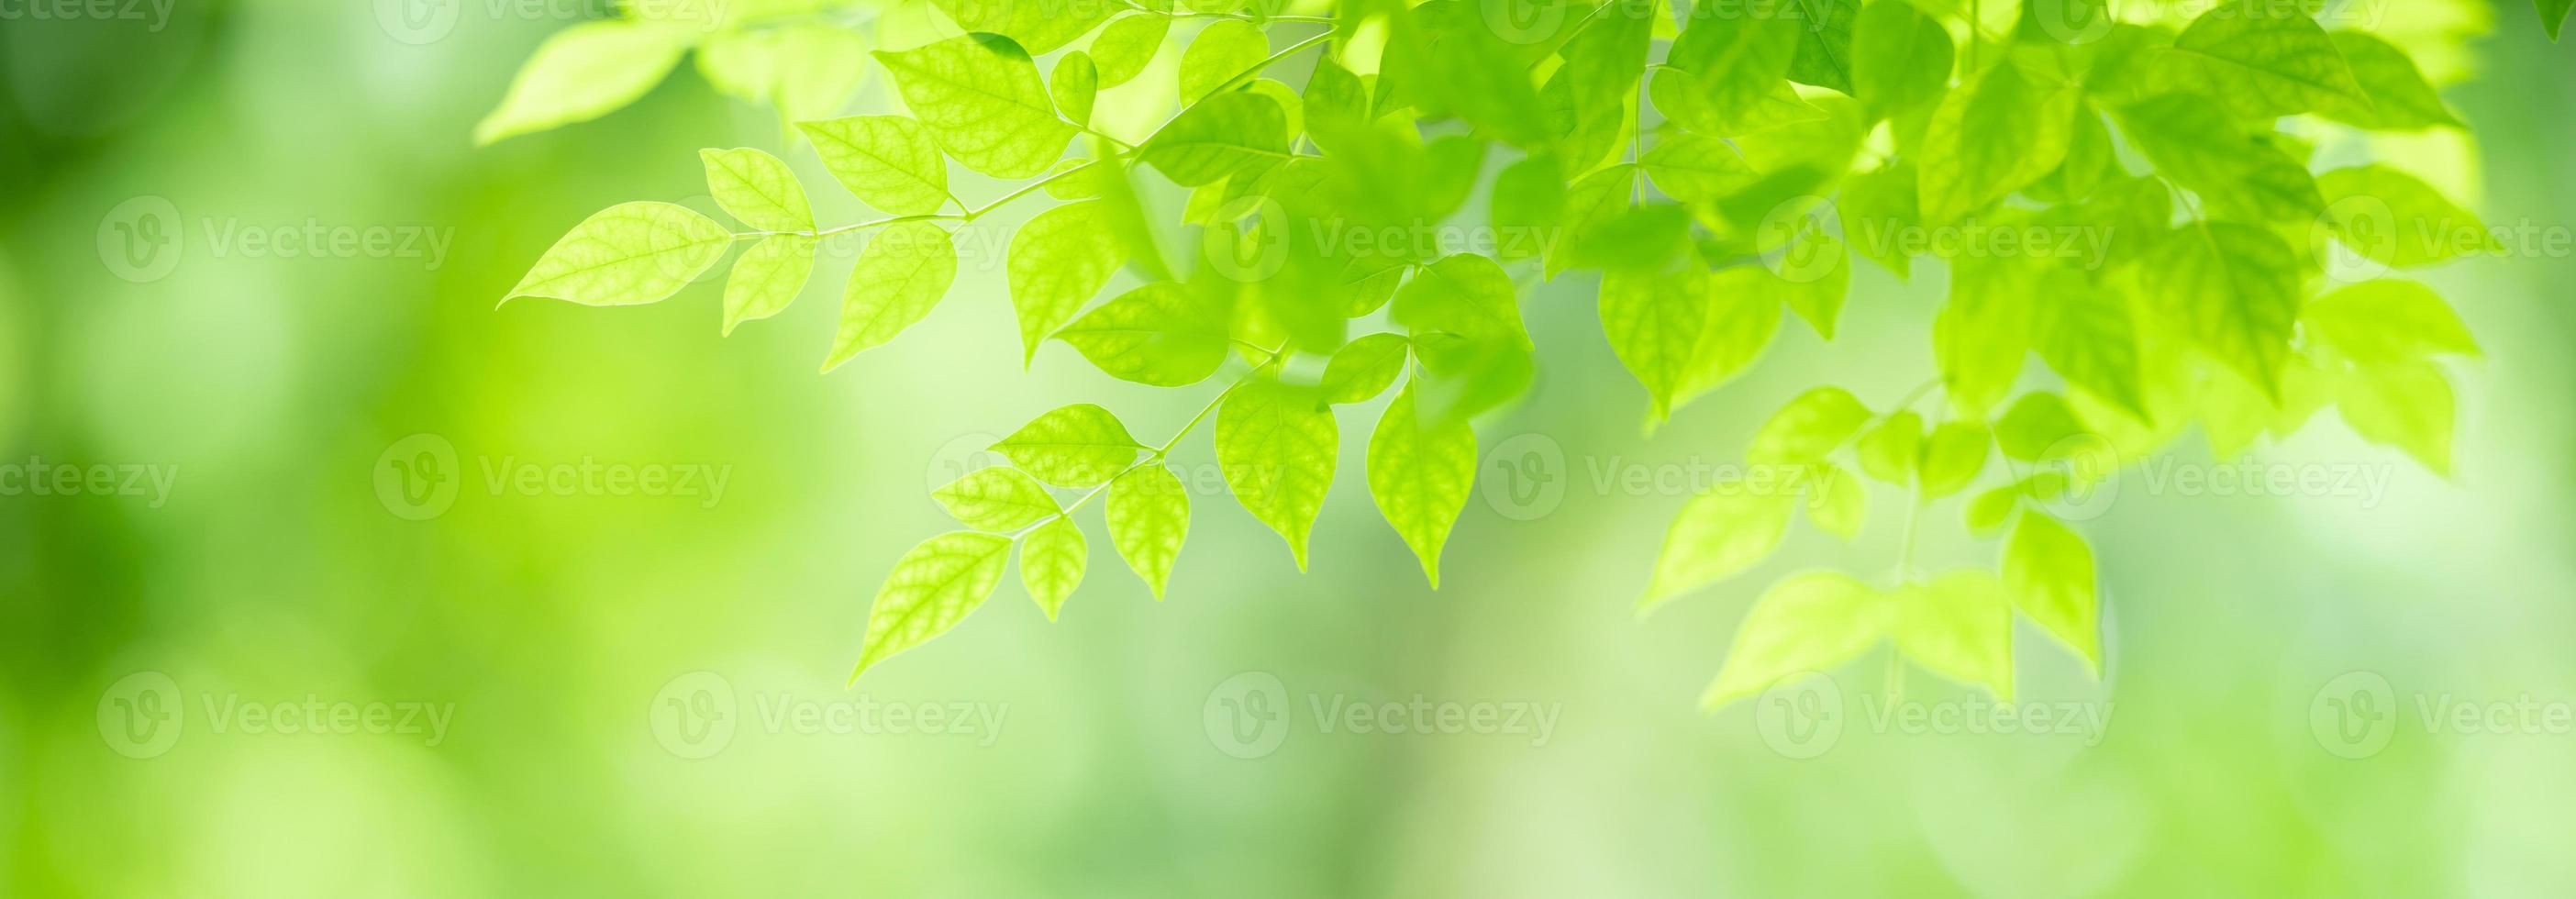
(1080, 445)
(930, 589)
(1893, 449)
(2400, 98)
(1836, 502)
(2034, 424)
(1995, 134)
(1808, 428)
(2049, 571)
(1226, 48)
(888, 162)
(1952, 456)
(2407, 405)
(996, 499)
(1123, 49)
(2386, 322)
(2395, 219)
(1900, 58)
(1959, 626)
(1983, 331)
(1718, 534)
(758, 189)
(2194, 144)
(1149, 517)
(2268, 60)
(1162, 334)
(1052, 560)
(584, 72)
(983, 101)
(2235, 290)
(2089, 336)
(1722, 71)
(1825, 44)
(1218, 137)
(1420, 473)
(767, 278)
(1697, 169)
(1075, 83)
(902, 273)
(1040, 27)
(1467, 295)
(1277, 447)
(1657, 323)
(627, 254)
(807, 71)
(1364, 368)
(1057, 262)
(1806, 622)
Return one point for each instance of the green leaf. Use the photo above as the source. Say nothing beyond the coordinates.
(888, 162)
(2407, 405)
(2553, 15)
(2088, 335)
(2036, 423)
(1824, 56)
(996, 499)
(1813, 279)
(1276, 446)
(1161, 334)
(1697, 169)
(1149, 517)
(2392, 218)
(1952, 457)
(1878, 209)
(1836, 502)
(2400, 98)
(1893, 450)
(1657, 324)
(1959, 626)
(1983, 331)
(584, 72)
(983, 101)
(1808, 429)
(1995, 134)
(1040, 27)
(2049, 572)
(1057, 262)
(2388, 322)
(2193, 142)
(1718, 535)
(1806, 622)
(1990, 510)
(1420, 473)
(1076, 82)
(806, 71)
(902, 273)
(767, 278)
(1218, 137)
(1052, 559)
(1226, 48)
(1590, 201)
(1123, 49)
(627, 254)
(757, 188)
(2268, 60)
(930, 589)
(1364, 368)
(1722, 71)
(1080, 445)
(1466, 295)
(2235, 289)
(1900, 58)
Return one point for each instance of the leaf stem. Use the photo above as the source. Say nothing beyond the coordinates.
(1156, 456)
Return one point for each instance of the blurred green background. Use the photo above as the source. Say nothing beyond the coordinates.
(583, 690)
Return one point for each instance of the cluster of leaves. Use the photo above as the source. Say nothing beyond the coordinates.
(1715, 165)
